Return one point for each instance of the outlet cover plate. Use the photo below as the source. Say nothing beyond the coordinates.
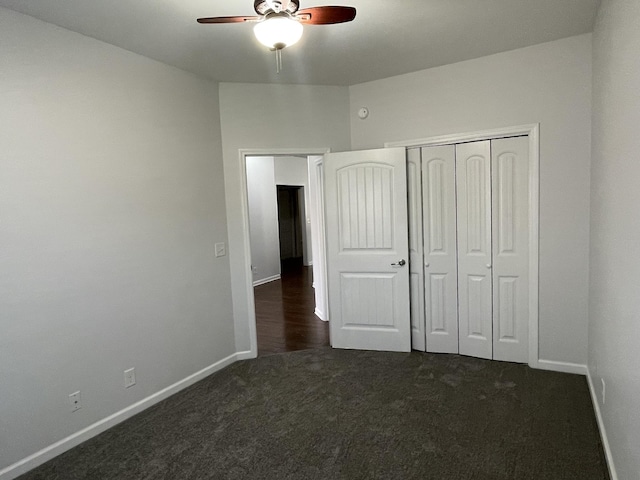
(75, 401)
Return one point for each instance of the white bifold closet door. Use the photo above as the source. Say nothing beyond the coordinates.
(510, 239)
(475, 247)
(473, 180)
(440, 251)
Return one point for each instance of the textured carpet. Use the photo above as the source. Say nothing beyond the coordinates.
(330, 414)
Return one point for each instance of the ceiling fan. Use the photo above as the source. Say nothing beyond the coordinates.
(279, 22)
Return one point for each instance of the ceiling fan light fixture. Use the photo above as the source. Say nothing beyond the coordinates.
(278, 31)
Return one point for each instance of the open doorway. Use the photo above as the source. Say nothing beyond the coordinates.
(291, 221)
(281, 255)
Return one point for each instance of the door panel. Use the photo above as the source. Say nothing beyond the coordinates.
(416, 277)
(366, 222)
(473, 180)
(440, 262)
(367, 300)
(510, 165)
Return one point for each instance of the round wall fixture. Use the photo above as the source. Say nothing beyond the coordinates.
(363, 113)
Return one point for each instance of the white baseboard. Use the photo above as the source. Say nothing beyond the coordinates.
(320, 314)
(47, 453)
(603, 431)
(248, 355)
(266, 280)
(565, 367)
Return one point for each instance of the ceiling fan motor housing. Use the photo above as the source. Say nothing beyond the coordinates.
(262, 7)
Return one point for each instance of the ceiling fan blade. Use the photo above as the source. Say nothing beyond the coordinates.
(326, 15)
(228, 19)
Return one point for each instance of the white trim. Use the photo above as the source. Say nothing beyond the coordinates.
(533, 132)
(61, 446)
(534, 237)
(564, 367)
(603, 432)
(316, 186)
(466, 137)
(320, 314)
(243, 153)
(251, 304)
(272, 278)
(248, 355)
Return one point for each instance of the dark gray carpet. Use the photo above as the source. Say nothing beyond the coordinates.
(330, 414)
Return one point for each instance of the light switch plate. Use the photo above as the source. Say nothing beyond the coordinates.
(221, 249)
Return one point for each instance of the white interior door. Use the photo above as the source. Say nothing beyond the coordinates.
(367, 249)
(416, 277)
(510, 168)
(440, 252)
(473, 179)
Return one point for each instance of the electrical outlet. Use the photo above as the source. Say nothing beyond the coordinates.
(74, 400)
(129, 377)
(604, 391)
(221, 249)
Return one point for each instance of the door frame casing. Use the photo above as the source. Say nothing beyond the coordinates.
(315, 164)
(243, 153)
(533, 133)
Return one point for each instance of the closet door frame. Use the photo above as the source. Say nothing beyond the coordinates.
(533, 133)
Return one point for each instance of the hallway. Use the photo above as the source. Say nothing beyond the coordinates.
(285, 320)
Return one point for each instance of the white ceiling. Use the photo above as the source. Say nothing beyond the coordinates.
(388, 37)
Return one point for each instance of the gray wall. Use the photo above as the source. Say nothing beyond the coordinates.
(263, 174)
(271, 118)
(614, 331)
(111, 200)
(263, 218)
(549, 84)
(112, 195)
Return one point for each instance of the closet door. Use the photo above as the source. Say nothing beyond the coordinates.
(416, 278)
(510, 167)
(473, 180)
(440, 262)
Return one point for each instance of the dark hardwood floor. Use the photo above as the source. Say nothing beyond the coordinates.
(284, 312)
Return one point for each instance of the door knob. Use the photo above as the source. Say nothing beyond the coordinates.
(426, 265)
(488, 265)
(401, 263)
